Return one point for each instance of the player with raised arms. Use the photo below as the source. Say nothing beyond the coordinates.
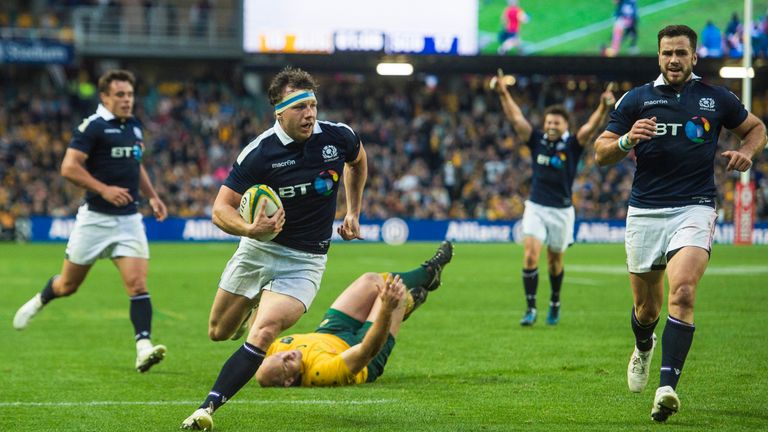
(549, 216)
(303, 160)
(672, 125)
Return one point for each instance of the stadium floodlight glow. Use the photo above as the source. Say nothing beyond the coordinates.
(399, 69)
(735, 72)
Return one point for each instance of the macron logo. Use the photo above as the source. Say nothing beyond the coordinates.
(655, 102)
(282, 164)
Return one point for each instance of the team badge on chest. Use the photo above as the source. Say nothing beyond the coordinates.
(707, 104)
(330, 153)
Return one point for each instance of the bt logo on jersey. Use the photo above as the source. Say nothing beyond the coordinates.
(292, 191)
(122, 152)
(323, 184)
(668, 128)
(557, 160)
(136, 152)
(695, 129)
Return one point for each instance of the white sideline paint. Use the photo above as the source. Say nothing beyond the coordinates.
(596, 27)
(743, 270)
(193, 403)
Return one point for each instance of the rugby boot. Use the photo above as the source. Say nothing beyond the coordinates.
(201, 419)
(437, 263)
(665, 404)
(639, 368)
(529, 318)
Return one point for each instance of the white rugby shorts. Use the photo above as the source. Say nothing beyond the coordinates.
(100, 235)
(258, 265)
(552, 225)
(652, 233)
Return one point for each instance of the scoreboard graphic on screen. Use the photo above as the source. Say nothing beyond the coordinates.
(329, 26)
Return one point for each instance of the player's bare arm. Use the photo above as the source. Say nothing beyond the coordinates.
(355, 175)
(511, 110)
(611, 148)
(145, 185)
(753, 140)
(73, 169)
(391, 293)
(586, 133)
(227, 217)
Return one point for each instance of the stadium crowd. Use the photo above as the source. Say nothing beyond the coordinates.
(727, 41)
(438, 147)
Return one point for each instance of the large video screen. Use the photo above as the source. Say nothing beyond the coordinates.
(610, 27)
(392, 26)
(496, 27)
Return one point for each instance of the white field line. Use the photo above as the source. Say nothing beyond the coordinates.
(620, 269)
(596, 27)
(583, 281)
(192, 403)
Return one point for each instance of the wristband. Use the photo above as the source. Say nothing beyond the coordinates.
(624, 144)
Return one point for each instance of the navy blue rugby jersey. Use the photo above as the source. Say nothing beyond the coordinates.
(676, 167)
(554, 168)
(114, 148)
(305, 175)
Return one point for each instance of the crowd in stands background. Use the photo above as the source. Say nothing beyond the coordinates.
(727, 40)
(435, 151)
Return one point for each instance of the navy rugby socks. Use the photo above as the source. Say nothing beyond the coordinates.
(675, 343)
(643, 332)
(530, 283)
(235, 373)
(47, 294)
(556, 282)
(141, 316)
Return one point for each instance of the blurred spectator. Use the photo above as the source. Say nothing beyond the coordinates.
(760, 36)
(733, 37)
(711, 41)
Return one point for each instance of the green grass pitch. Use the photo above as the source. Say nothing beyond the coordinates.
(593, 22)
(462, 362)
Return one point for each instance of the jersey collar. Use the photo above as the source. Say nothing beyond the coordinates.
(660, 80)
(285, 139)
(563, 138)
(104, 113)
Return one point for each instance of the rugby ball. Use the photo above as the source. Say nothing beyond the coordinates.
(249, 204)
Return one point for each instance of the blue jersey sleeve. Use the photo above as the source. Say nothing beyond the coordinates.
(246, 172)
(344, 138)
(84, 138)
(241, 177)
(625, 114)
(351, 142)
(734, 110)
(238, 179)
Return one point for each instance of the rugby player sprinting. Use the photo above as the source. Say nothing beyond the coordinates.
(672, 124)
